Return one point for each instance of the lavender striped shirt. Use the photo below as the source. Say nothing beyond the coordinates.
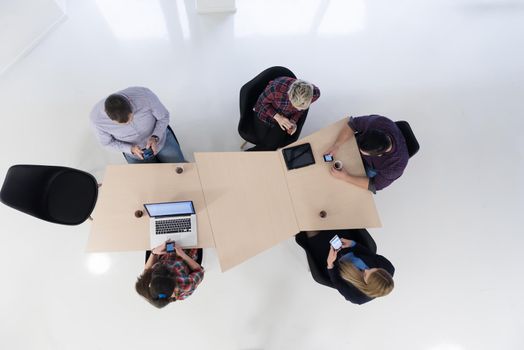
(150, 117)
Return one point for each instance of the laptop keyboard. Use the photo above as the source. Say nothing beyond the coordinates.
(163, 227)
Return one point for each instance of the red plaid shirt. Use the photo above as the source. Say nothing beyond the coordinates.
(186, 279)
(275, 100)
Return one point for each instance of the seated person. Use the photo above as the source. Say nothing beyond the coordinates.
(134, 120)
(279, 109)
(358, 273)
(169, 277)
(382, 147)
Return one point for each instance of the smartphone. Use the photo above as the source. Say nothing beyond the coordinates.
(336, 243)
(328, 158)
(170, 247)
(148, 153)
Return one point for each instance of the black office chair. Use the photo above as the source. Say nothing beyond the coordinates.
(249, 94)
(168, 130)
(52, 193)
(319, 273)
(409, 136)
(198, 260)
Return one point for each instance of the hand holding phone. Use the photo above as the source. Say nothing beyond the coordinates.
(336, 243)
(328, 158)
(170, 247)
(147, 153)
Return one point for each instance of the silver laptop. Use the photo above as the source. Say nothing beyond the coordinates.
(172, 220)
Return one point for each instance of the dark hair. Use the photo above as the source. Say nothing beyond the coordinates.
(118, 108)
(156, 285)
(374, 142)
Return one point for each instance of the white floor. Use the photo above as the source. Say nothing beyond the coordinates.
(452, 224)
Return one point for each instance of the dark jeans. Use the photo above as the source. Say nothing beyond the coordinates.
(270, 138)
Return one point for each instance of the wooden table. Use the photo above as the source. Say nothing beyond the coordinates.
(246, 202)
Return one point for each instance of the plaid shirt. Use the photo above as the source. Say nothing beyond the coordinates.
(186, 280)
(275, 100)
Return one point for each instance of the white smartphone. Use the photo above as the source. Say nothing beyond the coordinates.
(336, 243)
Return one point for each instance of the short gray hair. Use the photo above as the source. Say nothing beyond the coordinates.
(300, 94)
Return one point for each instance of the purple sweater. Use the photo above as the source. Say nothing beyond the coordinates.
(391, 165)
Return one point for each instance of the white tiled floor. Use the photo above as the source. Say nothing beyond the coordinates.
(453, 69)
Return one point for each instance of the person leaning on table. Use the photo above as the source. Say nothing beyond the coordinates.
(169, 277)
(134, 119)
(382, 147)
(359, 274)
(278, 110)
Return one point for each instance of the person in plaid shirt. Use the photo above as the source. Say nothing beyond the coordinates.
(169, 277)
(279, 108)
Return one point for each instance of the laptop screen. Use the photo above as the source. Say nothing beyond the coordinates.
(170, 209)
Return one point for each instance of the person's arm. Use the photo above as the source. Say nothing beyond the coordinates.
(193, 265)
(264, 106)
(160, 113)
(153, 258)
(343, 136)
(107, 140)
(360, 181)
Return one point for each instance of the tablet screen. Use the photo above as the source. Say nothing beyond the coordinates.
(298, 156)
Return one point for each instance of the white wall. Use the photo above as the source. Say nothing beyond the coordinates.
(23, 24)
(212, 6)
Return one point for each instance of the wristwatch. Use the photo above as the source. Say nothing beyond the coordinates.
(155, 137)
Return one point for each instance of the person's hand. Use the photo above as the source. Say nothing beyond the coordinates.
(332, 150)
(293, 128)
(346, 243)
(161, 249)
(339, 174)
(284, 123)
(181, 253)
(153, 144)
(137, 151)
(332, 256)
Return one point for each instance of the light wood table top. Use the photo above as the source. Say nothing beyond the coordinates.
(246, 202)
(126, 188)
(313, 189)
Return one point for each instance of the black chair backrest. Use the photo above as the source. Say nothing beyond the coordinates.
(249, 94)
(52, 193)
(409, 136)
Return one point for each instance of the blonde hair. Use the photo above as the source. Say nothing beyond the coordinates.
(380, 282)
(300, 94)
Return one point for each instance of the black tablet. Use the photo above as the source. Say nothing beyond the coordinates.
(298, 156)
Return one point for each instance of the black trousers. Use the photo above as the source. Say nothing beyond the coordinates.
(270, 138)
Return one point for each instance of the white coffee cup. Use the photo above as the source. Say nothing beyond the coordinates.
(338, 165)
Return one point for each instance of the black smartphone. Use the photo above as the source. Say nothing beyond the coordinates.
(170, 247)
(147, 153)
(328, 158)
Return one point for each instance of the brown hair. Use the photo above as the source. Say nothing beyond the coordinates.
(118, 108)
(142, 287)
(380, 282)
